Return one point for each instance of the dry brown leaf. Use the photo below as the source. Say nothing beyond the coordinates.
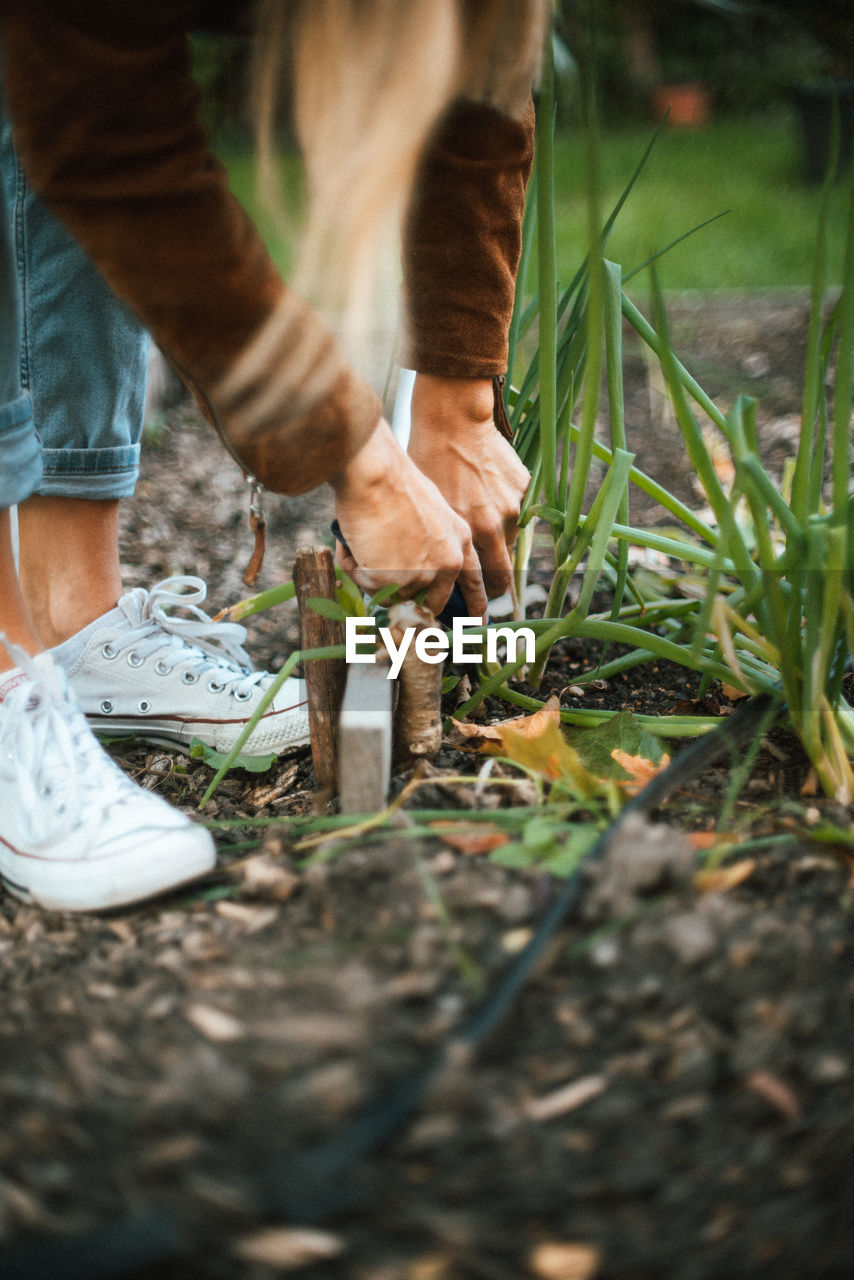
(721, 879)
(287, 1248)
(702, 840)
(810, 786)
(555, 1261)
(470, 838)
(489, 738)
(641, 770)
(734, 695)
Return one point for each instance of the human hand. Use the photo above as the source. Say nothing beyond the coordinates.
(454, 442)
(398, 528)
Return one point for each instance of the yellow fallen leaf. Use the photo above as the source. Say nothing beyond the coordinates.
(549, 754)
(489, 738)
(640, 769)
(721, 879)
(537, 743)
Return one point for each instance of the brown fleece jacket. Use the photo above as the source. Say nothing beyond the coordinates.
(463, 240)
(106, 121)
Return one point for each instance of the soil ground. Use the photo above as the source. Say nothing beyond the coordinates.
(670, 1097)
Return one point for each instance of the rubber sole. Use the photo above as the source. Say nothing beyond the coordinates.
(115, 879)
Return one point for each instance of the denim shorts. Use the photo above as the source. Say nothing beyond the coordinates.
(73, 358)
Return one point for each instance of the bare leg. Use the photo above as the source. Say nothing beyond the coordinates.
(69, 562)
(15, 621)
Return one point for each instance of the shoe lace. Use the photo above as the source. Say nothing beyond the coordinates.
(201, 646)
(62, 777)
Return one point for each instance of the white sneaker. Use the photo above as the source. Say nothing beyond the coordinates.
(75, 833)
(139, 669)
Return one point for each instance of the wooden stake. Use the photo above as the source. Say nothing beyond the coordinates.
(364, 739)
(314, 576)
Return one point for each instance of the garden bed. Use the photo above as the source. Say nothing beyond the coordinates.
(670, 1097)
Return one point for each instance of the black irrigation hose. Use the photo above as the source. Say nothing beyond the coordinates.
(313, 1184)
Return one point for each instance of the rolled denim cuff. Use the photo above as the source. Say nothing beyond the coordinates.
(90, 473)
(20, 452)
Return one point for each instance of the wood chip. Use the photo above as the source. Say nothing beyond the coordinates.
(775, 1092)
(22, 1203)
(214, 1024)
(102, 991)
(321, 1031)
(253, 919)
(555, 1261)
(177, 1150)
(566, 1098)
(433, 1266)
(123, 931)
(267, 792)
(287, 1248)
(264, 876)
(515, 940)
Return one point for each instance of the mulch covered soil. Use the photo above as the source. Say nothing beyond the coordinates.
(670, 1097)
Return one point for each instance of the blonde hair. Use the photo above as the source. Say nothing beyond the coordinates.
(370, 80)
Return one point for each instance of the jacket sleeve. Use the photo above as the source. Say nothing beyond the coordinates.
(106, 122)
(463, 240)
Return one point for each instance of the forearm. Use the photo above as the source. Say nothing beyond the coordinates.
(106, 121)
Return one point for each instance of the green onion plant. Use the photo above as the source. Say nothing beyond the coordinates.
(768, 606)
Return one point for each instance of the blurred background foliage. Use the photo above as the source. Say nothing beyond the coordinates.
(767, 73)
(749, 56)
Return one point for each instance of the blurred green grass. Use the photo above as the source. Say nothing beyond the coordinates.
(750, 167)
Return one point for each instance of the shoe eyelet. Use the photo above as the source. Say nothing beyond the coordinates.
(243, 695)
(134, 660)
(214, 686)
(106, 706)
(189, 677)
(144, 706)
(107, 651)
(161, 668)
